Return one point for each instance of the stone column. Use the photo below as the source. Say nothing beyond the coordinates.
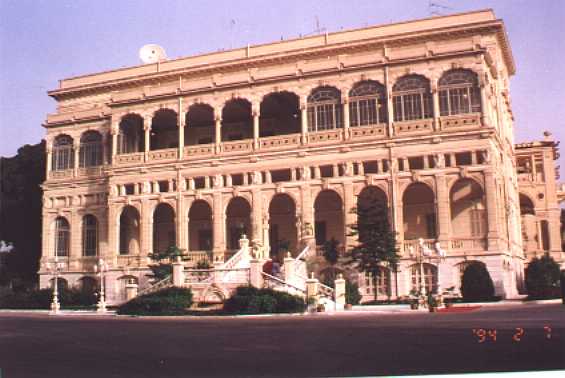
(435, 100)
(147, 136)
(389, 106)
(307, 205)
(76, 151)
(146, 229)
(490, 193)
(257, 217)
(484, 105)
(346, 122)
(114, 133)
(181, 123)
(349, 217)
(219, 237)
(288, 264)
(113, 232)
(312, 291)
(180, 218)
(443, 213)
(304, 121)
(256, 111)
(49, 159)
(218, 131)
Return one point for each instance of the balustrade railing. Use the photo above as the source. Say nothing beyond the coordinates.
(90, 171)
(325, 136)
(165, 154)
(279, 141)
(198, 276)
(418, 126)
(199, 150)
(135, 157)
(237, 146)
(55, 175)
(371, 131)
(414, 243)
(460, 121)
(193, 257)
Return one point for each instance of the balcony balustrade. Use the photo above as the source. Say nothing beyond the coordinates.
(199, 150)
(64, 174)
(165, 154)
(460, 121)
(132, 158)
(279, 142)
(368, 132)
(415, 127)
(327, 136)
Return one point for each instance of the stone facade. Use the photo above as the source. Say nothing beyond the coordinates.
(280, 141)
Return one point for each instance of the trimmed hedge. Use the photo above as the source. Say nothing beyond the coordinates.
(41, 299)
(169, 301)
(477, 285)
(250, 300)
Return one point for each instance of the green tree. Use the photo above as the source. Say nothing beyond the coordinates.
(331, 255)
(161, 265)
(376, 242)
(21, 205)
(477, 284)
(542, 278)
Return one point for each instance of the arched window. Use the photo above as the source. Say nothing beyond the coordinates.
(429, 278)
(90, 153)
(89, 235)
(131, 135)
(459, 93)
(367, 104)
(411, 98)
(62, 153)
(62, 237)
(324, 109)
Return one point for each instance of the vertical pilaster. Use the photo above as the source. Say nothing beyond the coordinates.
(181, 225)
(349, 217)
(443, 218)
(219, 236)
(389, 106)
(218, 129)
(76, 151)
(146, 136)
(112, 232)
(256, 110)
(146, 229)
(257, 216)
(346, 121)
(490, 189)
(49, 161)
(181, 123)
(435, 101)
(307, 215)
(304, 120)
(114, 133)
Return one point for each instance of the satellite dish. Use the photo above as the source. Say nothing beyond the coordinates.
(152, 53)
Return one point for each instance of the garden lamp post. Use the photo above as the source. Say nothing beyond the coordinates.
(55, 266)
(418, 255)
(101, 268)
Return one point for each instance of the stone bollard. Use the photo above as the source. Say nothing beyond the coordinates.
(288, 268)
(178, 274)
(339, 293)
(312, 293)
(131, 290)
(255, 270)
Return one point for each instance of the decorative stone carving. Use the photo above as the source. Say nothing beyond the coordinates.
(439, 161)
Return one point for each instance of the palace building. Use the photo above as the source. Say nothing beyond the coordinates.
(280, 141)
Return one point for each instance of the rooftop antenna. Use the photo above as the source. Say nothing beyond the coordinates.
(437, 9)
(318, 30)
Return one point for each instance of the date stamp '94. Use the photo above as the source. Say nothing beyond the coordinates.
(483, 335)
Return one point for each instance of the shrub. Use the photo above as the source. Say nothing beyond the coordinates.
(250, 300)
(352, 295)
(31, 300)
(477, 284)
(169, 301)
(542, 278)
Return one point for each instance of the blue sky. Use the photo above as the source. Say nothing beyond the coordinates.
(44, 41)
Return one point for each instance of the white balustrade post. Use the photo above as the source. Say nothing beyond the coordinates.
(312, 292)
(178, 273)
(339, 293)
(255, 270)
(288, 269)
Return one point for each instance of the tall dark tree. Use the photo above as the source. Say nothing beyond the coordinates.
(21, 177)
(376, 241)
(331, 255)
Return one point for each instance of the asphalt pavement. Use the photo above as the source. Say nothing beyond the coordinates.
(490, 339)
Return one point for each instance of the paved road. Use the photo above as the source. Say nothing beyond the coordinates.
(349, 344)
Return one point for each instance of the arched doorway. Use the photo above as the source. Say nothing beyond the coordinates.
(282, 225)
(129, 231)
(238, 222)
(164, 234)
(419, 213)
(468, 213)
(200, 236)
(328, 217)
